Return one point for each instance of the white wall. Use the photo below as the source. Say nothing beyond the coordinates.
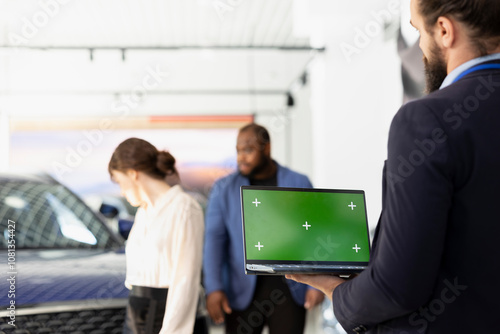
(355, 97)
(291, 132)
(338, 129)
(301, 132)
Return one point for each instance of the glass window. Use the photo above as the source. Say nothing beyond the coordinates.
(49, 216)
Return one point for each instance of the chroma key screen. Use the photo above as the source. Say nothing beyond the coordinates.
(294, 224)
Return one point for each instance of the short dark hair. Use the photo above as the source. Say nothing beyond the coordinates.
(260, 132)
(482, 17)
(140, 155)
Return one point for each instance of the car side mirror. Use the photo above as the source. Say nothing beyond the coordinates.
(108, 211)
(124, 227)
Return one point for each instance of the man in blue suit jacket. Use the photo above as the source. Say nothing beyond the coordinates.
(249, 302)
(435, 261)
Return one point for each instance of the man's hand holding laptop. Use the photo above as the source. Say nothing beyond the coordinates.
(324, 283)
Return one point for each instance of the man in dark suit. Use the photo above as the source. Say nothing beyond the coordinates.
(435, 259)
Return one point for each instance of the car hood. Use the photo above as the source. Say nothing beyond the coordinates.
(42, 276)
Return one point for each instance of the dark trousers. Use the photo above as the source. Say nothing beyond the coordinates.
(272, 305)
(145, 311)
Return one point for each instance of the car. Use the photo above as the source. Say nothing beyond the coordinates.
(65, 267)
(118, 214)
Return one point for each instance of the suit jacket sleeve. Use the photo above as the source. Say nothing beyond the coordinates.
(409, 246)
(215, 240)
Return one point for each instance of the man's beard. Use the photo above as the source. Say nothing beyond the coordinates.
(435, 69)
(263, 163)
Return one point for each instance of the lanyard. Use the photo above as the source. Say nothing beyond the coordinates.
(477, 68)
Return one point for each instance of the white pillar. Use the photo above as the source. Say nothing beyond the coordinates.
(356, 91)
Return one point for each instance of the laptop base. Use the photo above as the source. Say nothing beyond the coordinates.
(282, 270)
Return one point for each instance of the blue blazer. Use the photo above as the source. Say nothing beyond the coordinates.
(223, 259)
(436, 253)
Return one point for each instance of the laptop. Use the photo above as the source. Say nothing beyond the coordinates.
(304, 230)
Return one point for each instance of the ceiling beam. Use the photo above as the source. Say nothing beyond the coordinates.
(155, 92)
(182, 47)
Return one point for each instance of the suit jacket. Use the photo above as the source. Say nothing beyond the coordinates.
(436, 253)
(223, 260)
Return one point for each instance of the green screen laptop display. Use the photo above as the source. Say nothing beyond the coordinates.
(295, 226)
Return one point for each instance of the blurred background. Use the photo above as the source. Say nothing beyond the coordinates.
(324, 76)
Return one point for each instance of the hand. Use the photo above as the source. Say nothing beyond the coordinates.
(217, 305)
(313, 298)
(325, 283)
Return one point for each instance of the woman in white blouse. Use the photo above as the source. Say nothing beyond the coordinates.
(164, 248)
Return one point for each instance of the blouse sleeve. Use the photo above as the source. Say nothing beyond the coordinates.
(187, 250)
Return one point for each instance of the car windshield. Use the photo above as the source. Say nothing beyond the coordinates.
(48, 216)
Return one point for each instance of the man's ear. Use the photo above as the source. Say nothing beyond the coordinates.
(132, 174)
(267, 149)
(446, 32)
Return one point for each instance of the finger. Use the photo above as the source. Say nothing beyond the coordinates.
(312, 299)
(226, 307)
(317, 299)
(219, 318)
(299, 278)
(215, 312)
(212, 316)
(294, 277)
(309, 303)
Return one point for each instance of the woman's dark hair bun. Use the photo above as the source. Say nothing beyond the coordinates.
(166, 163)
(140, 155)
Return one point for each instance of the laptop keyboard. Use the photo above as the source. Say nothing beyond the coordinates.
(107, 321)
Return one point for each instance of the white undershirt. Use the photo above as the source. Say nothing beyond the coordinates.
(164, 250)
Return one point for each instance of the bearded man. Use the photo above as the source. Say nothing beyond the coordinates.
(434, 263)
(248, 303)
